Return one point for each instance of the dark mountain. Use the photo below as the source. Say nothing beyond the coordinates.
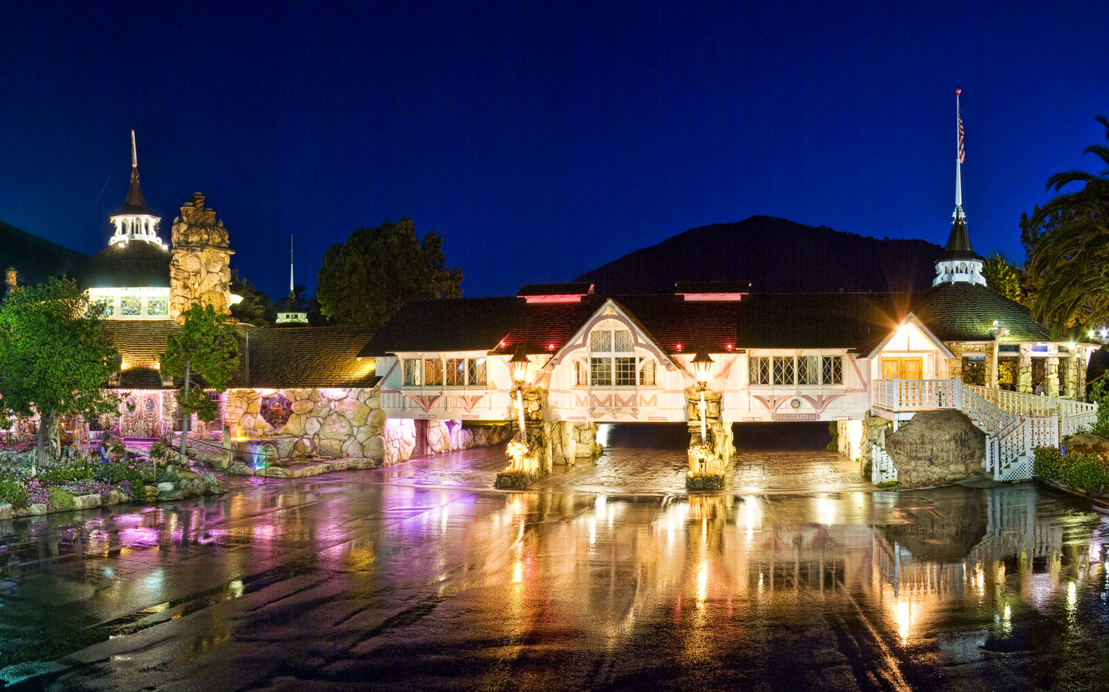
(776, 256)
(34, 258)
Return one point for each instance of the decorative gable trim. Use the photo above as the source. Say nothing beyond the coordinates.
(611, 311)
(913, 320)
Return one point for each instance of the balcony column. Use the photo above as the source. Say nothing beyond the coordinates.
(955, 364)
(1024, 370)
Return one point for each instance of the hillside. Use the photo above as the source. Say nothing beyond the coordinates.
(776, 256)
(34, 258)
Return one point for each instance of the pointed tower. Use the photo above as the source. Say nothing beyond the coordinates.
(134, 221)
(289, 312)
(959, 263)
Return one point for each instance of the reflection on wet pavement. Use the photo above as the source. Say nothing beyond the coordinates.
(355, 580)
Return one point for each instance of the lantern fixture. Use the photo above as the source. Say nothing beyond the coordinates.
(702, 364)
(519, 365)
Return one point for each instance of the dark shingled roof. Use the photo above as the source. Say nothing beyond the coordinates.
(296, 357)
(141, 344)
(137, 263)
(461, 324)
(958, 244)
(966, 312)
(854, 321)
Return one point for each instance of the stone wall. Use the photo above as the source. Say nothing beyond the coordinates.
(348, 423)
(937, 448)
(201, 258)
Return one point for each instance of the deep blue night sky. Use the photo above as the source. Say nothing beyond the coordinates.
(540, 139)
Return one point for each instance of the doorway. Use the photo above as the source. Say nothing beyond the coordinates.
(908, 368)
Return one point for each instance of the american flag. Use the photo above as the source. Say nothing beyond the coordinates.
(962, 151)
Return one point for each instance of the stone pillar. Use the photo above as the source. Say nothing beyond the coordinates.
(1051, 375)
(199, 270)
(708, 458)
(954, 365)
(989, 377)
(531, 459)
(1024, 370)
(1068, 375)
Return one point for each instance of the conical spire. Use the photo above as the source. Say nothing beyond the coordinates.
(135, 203)
(288, 309)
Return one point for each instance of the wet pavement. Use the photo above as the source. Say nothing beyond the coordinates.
(417, 578)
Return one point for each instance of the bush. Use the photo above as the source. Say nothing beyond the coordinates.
(60, 499)
(13, 492)
(1100, 396)
(868, 469)
(72, 472)
(1087, 473)
(889, 485)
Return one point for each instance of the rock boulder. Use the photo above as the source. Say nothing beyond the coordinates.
(937, 448)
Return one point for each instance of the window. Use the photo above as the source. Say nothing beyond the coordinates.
(456, 371)
(800, 370)
(600, 340)
(623, 341)
(600, 372)
(475, 371)
(625, 372)
(647, 372)
(413, 372)
(156, 306)
(130, 305)
(760, 370)
(808, 370)
(433, 371)
(783, 369)
(581, 374)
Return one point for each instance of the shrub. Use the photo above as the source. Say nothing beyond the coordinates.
(1100, 396)
(77, 470)
(13, 492)
(60, 499)
(889, 485)
(868, 469)
(1087, 473)
(158, 451)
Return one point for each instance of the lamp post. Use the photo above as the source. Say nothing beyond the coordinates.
(519, 365)
(702, 364)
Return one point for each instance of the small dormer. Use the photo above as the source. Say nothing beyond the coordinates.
(555, 293)
(717, 291)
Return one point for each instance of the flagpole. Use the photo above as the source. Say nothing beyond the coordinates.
(958, 158)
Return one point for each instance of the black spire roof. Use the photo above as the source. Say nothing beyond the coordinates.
(958, 243)
(119, 265)
(135, 202)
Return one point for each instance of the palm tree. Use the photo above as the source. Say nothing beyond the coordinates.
(1071, 259)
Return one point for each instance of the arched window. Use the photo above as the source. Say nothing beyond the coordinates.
(613, 361)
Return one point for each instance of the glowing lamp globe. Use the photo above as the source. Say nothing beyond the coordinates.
(519, 365)
(702, 364)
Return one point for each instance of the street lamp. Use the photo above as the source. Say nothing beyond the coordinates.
(519, 365)
(702, 363)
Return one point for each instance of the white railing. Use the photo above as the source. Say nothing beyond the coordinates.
(1017, 402)
(1015, 424)
(881, 466)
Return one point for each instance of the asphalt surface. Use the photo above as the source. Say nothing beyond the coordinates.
(419, 577)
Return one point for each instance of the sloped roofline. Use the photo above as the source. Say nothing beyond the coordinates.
(914, 320)
(622, 315)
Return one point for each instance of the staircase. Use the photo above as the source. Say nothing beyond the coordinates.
(1015, 424)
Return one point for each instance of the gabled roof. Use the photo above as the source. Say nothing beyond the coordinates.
(460, 324)
(141, 344)
(296, 357)
(852, 321)
(966, 312)
(611, 309)
(913, 320)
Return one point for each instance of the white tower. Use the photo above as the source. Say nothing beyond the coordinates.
(134, 221)
(959, 263)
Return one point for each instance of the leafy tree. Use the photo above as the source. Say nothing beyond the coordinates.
(53, 356)
(368, 278)
(256, 306)
(1070, 257)
(1003, 277)
(205, 348)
